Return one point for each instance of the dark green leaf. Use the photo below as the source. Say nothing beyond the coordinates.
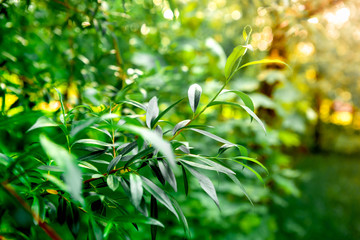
(153, 214)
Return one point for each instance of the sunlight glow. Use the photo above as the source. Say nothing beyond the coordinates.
(340, 17)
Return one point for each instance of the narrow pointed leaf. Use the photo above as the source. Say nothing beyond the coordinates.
(244, 97)
(255, 161)
(210, 135)
(168, 174)
(182, 218)
(248, 110)
(194, 94)
(152, 111)
(205, 184)
(113, 163)
(185, 179)
(138, 219)
(264, 61)
(72, 173)
(159, 194)
(43, 122)
(179, 126)
(165, 111)
(237, 53)
(157, 142)
(153, 214)
(243, 190)
(136, 189)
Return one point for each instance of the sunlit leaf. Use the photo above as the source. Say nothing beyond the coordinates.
(179, 126)
(264, 61)
(72, 173)
(113, 182)
(136, 189)
(168, 174)
(152, 111)
(248, 110)
(194, 94)
(43, 122)
(237, 53)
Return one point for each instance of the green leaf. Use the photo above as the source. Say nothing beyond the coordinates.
(134, 103)
(136, 189)
(72, 173)
(165, 111)
(244, 97)
(252, 170)
(159, 194)
(94, 142)
(158, 143)
(168, 174)
(210, 135)
(237, 53)
(246, 35)
(186, 183)
(179, 126)
(81, 125)
(217, 167)
(263, 61)
(43, 122)
(113, 163)
(194, 94)
(113, 182)
(62, 119)
(255, 161)
(248, 110)
(138, 219)
(243, 190)
(152, 111)
(205, 184)
(154, 214)
(182, 218)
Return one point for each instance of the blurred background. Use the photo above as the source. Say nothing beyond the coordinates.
(92, 49)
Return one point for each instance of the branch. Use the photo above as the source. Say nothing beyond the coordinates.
(47, 229)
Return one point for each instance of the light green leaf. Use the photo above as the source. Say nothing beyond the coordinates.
(138, 219)
(94, 142)
(179, 126)
(263, 61)
(157, 142)
(43, 122)
(248, 110)
(113, 182)
(213, 136)
(72, 173)
(152, 111)
(194, 94)
(205, 184)
(165, 111)
(159, 194)
(136, 189)
(168, 174)
(244, 97)
(237, 53)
